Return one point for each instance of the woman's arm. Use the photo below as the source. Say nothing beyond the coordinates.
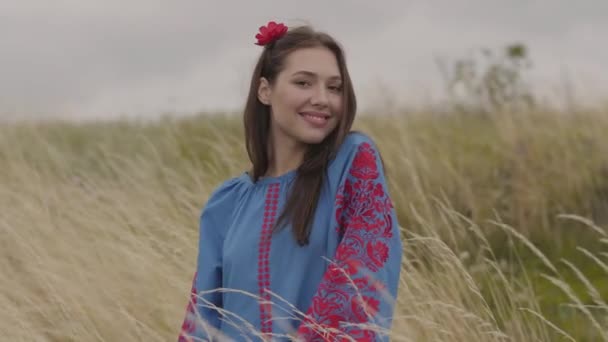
(202, 320)
(357, 293)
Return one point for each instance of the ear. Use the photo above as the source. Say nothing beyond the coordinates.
(264, 91)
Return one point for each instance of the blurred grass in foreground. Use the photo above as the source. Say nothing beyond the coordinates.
(504, 224)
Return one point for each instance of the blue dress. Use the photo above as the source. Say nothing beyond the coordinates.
(251, 286)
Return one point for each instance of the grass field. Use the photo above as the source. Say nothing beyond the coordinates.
(505, 224)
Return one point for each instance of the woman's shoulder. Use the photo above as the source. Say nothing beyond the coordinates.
(226, 193)
(353, 145)
(353, 142)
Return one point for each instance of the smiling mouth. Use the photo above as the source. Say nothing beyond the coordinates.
(316, 119)
(315, 115)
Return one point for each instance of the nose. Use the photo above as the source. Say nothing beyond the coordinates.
(319, 97)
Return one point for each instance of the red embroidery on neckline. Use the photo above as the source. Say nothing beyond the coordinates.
(363, 213)
(270, 212)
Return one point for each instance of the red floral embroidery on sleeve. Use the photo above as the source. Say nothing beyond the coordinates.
(363, 213)
(189, 325)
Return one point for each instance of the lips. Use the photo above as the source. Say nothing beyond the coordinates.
(316, 119)
(316, 115)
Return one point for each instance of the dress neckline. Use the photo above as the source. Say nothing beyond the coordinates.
(288, 176)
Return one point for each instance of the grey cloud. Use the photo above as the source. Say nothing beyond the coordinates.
(112, 56)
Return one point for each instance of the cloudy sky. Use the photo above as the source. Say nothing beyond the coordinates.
(105, 58)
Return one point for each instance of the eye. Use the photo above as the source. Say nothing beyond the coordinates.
(303, 83)
(336, 89)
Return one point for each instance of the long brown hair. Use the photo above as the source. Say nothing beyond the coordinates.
(310, 176)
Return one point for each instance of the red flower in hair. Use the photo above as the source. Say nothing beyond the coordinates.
(270, 32)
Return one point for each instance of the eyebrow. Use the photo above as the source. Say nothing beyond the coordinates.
(309, 73)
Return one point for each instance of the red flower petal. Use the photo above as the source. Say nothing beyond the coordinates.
(270, 32)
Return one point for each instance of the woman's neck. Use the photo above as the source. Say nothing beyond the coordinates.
(285, 156)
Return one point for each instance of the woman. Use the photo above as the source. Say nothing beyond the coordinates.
(306, 244)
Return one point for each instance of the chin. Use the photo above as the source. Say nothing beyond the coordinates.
(313, 138)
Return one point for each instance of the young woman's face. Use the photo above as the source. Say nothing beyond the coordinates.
(306, 98)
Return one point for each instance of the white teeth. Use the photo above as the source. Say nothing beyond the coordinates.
(316, 118)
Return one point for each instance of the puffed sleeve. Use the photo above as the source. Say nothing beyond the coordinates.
(202, 317)
(357, 292)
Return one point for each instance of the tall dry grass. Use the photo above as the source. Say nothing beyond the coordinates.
(504, 225)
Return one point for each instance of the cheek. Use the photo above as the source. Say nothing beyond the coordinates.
(336, 105)
(292, 99)
(299, 98)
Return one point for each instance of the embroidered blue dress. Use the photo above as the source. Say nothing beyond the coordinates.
(251, 286)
